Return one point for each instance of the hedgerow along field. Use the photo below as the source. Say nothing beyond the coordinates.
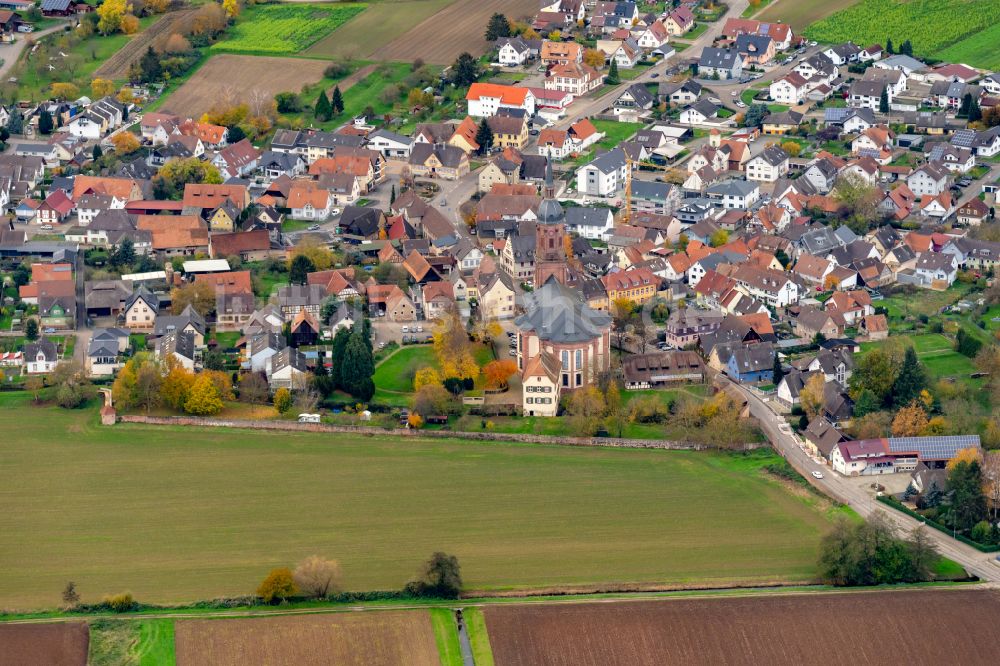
(931, 25)
(178, 514)
(285, 29)
(898, 627)
(377, 638)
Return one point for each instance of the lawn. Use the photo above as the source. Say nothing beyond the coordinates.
(142, 642)
(178, 514)
(979, 49)
(396, 372)
(936, 353)
(446, 636)
(751, 9)
(931, 25)
(475, 624)
(614, 133)
(284, 29)
(375, 27)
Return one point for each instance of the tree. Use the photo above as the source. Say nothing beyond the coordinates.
(129, 24)
(432, 400)
(317, 577)
(866, 403)
(910, 421)
(45, 122)
(322, 110)
(870, 553)
(586, 408)
(278, 586)
(719, 238)
(392, 195)
(755, 115)
(793, 148)
(300, 269)
(498, 372)
(200, 295)
(123, 254)
(465, 70)
(125, 143)
(484, 137)
(96, 153)
(812, 396)
(253, 388)
(358, 366)
(987, 361)
(70, 596)
(613, 76)
(73, 384)
(282, 400)
(174, 175)
(232, 8)
(66, 91)
(204, 398)
(622, 314)
(318, 253)
(616, 415)
(15, 124)
(883, 102)
(31, 329)
(176, 385)
(966, 504)
(858, 200)
(889, 48)
(148, 381)
(110, 14)
(876, 373)
(440, 577)
(34, 385)
(452, 346)
(991, 481)
(594, 57)
(497, 27)
(975, 111)
(906, 48)
(963, 110)
(426, 376)
(337, 100)
(778, 372)
(910, 381)
(337, 356)
(966, 344)
(150, 69)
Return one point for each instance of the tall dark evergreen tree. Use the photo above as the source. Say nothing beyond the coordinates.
(45, 122)
(889, 47)
(613, 72)
(465, 71)
(484, 137)
(300, 269)
(358, 366)
(498, 27)
(15, 125)
(778, 372)
(883, 102)
(906, 48)
(97, 153)
(337, 356)
(322, 110)
(975, 113)
(150, 68)
(337, 100)
(910, 381)
(963, 110)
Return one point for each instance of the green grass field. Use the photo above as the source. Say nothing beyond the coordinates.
(979, 49)
(931, 25)
(395, 374)
(180, 514)
(446, 636)
(285, 29)
(375, 27)
(139, 642)
(479, 637)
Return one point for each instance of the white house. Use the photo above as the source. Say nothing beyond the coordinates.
(734, 194)
(654, 36)
(721, 63)
(790, 89)
(512, 51)
(540, 388)
(85, 126)
(699, 113)
(603, 176)
(485, 99)
(390, 144)
(40, 357)
(769, 165)
(929, 179)
(939, 267)
(590, 223)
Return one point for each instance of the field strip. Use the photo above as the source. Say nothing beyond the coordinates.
(483, 602)
(116, 67)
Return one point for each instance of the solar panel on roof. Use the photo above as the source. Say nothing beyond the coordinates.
(963, 138)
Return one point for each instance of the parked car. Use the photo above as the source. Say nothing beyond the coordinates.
(734, 93)
(406, 329)
(654, 75)
(817, 475)
(812, 43)
(741, 104)
(314, 227)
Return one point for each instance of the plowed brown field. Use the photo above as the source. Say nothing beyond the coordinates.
(236, 77)
(62, 644)
(377, 638)
(461, 26)
(878, 628)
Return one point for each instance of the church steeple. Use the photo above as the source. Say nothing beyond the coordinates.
(550, 232)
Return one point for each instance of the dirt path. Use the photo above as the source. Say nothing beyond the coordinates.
(11, 53)
(359, 75)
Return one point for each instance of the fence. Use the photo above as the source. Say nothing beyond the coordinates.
(368, 431)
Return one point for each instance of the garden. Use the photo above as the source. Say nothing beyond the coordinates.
(285, 29)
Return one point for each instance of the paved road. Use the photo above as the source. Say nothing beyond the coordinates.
(860, 499)
(12, 52)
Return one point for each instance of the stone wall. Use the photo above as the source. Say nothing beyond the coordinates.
(367, 431)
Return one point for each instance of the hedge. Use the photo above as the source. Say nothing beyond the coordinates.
(899, 506)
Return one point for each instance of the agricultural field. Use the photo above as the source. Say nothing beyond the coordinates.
(771, 629)
(978, 50)
(134, 642)
(63, 644)
(116, 67)
(284, 29)
(442, 37)
(239, 76)
(179, 514)
(366, 639)
(365, 34)
(801, 13)
(931, 25)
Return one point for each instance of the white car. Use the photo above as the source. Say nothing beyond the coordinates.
(812, 44)
(406, 329)
(817, 475)
(733, 93)
(334, 211)
(740, 104)
(420, 329)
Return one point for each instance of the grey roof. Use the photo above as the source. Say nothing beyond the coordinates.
(391, 136)
(45, 346)
(718, 58)
(609, 161)
(301, 295)
(581, 216)
(736, 188)
(868, 88)
(263, 341)
(704, 107)
(176, 342)
(748, 43)
(289, 356)
(167, 323)
(640, 95)
(942, 447)
(146, 295)
(773, 155)
(522, 247)
(904, 61)
(450, 156)
(651, 190)
(754, 358)
(556, 313)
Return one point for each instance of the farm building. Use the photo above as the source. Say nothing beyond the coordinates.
(897, 454)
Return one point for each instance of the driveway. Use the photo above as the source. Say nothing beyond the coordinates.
(859, 496)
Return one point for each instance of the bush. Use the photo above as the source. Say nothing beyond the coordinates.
(120, 603)
(441, 578)
(336, 70)
(278, 586)
(981, 532)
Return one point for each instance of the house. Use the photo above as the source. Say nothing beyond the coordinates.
(390, 144)
(717, 63)
(936, 269)
(554, 143)
(751, 364)
(852, 305)
(898, 454)
(636, 285)
(177, 347)
(604, 175)
(496, 295)
(782, 123)
(699, 113)
(575, 78)
(287, 369)
(141, 309)
(957, 159)
(874, 142)
(391, 302)
(769, 165)
(973, 212)
(438, 160)
(237, 160)
(634, 101)
(40, 357)
(56, 208)
(508, 131)
(930, 179)
(791, 89)
(512, 51)
(655, 35)
(560, 53)
(682, 93)
(209, 197)
(654, 197)
(734, 194)
(811, 322)
(309, 201)
(756, 50)
(188, 321)
(540, 386)
(780, 33)
(766, 285)
(292, 299)
(647, 371)
(679, 21)
(261, 347)
(874, 327)
(486, 99)
(868, 94)
(590, 223)
(105, 352)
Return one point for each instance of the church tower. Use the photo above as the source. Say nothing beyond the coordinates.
(550, 235)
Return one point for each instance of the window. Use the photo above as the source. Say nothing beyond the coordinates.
(579, 379)
(530, 401)
(565, 379)
(565, 360)
(579, 359)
